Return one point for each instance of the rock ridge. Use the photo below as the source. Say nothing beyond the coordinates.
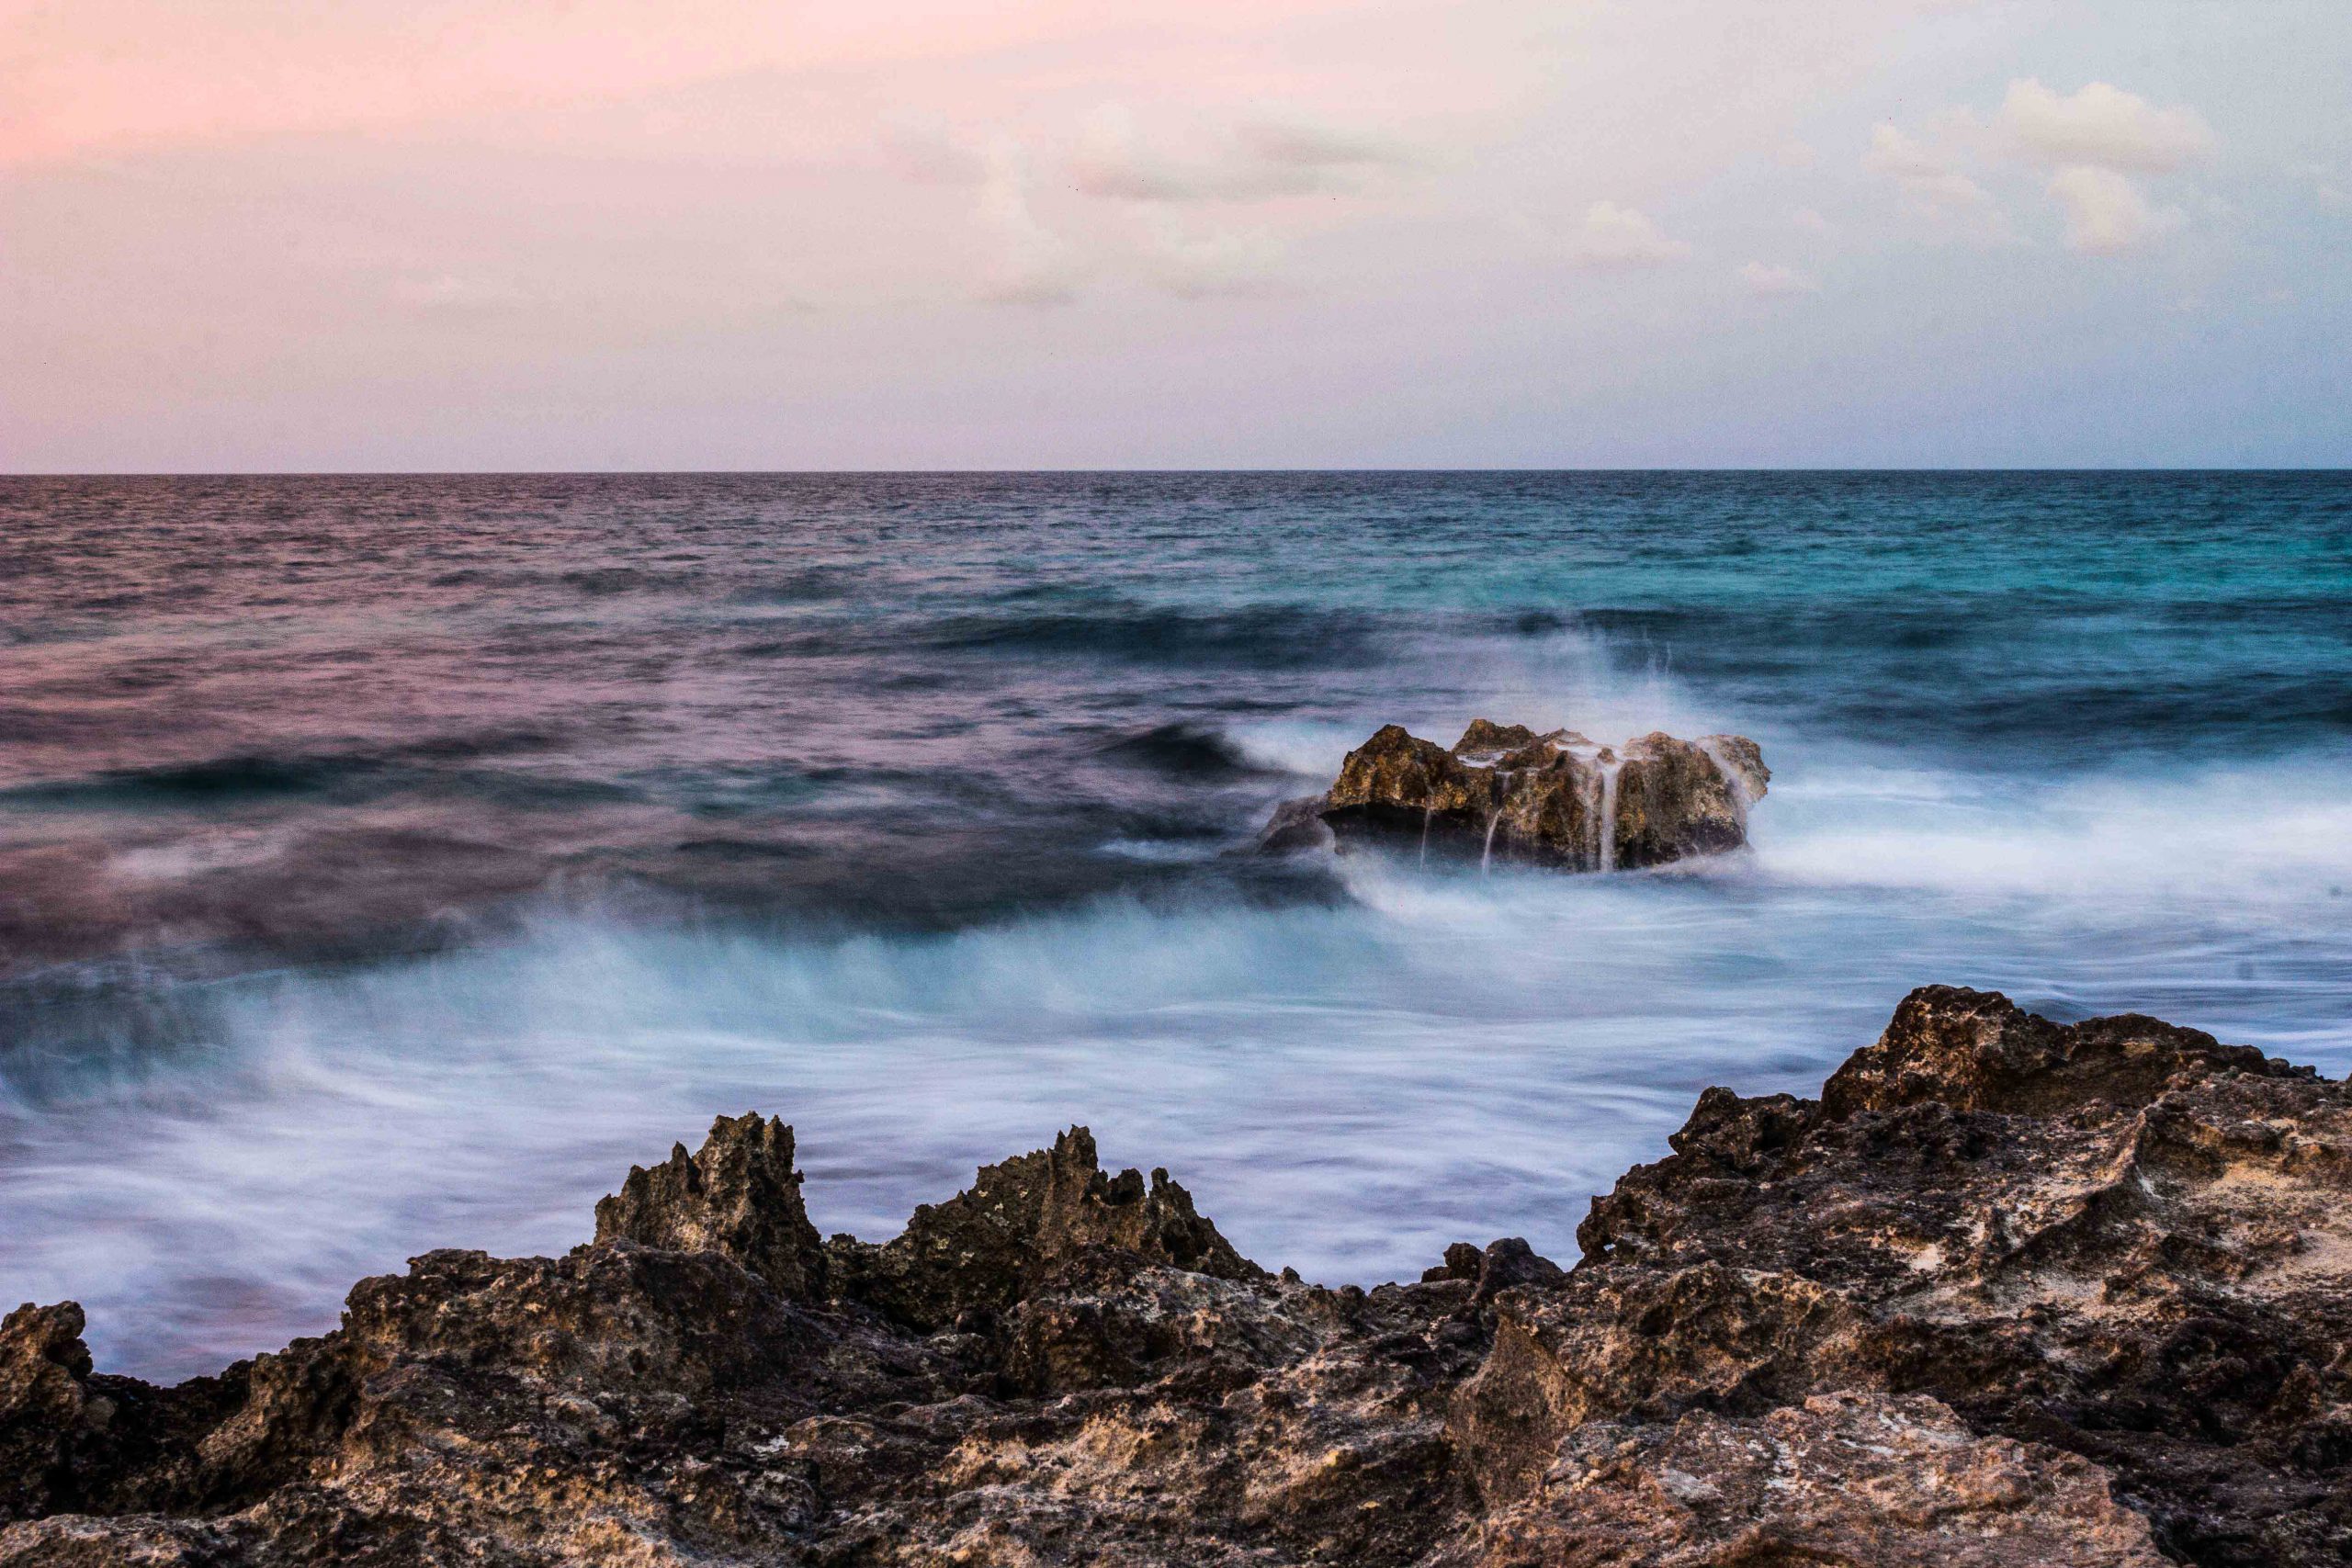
(2010, 1292)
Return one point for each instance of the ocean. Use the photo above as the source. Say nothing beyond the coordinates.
(386, 863)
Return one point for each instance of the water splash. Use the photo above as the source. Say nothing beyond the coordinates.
(1735, 783)
(1608, 765)
(1487, 855)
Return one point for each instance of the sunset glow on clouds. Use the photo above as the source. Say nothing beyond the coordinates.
(612, 233)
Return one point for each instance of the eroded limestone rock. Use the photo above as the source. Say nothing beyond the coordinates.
(2010, 1293)
(980, 1251)
(740, 1195)
(1504, 791)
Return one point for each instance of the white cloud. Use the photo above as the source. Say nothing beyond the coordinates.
(1033, 264)
(1765, 279)
(1258, 160)
(1934, 187)
(1614, 236)
(1213, 265)
(1811, 220)
(1304, 143)
(1900, 156)
(2103, 126)
(2106, 213)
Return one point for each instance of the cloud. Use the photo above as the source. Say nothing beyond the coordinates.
(1811, 221)
(2103, 127)
(1213, 265)
(1767, 279)
(928, 151)
(1935, 188)
(1033, 265)
(2328, 189)
(1306, 145)
(1611, 236)
(1258, 160)
(2106, 213)
(2095, 139)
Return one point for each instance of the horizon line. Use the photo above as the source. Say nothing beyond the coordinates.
(6, 475)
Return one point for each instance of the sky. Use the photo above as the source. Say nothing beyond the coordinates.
(670, 235)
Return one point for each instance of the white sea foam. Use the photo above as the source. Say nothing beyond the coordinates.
(2259, 833)
(1347, 1088)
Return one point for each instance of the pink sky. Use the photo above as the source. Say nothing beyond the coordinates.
(613, 232)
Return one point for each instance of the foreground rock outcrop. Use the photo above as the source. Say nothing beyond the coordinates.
(1554, 799)
(2008, 1293)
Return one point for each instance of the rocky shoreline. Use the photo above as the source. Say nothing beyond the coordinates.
(2009, 1292)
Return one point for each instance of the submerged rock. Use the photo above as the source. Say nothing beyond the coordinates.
(1504, 791)
(2009, 1293)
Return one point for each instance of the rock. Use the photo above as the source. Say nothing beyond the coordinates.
(739, 1196)
(1860, 1481)
(1296, 825)
(981, 1249)
(1554, 799)
(2011, 1293)
(47, 1416)
(2118, 1237)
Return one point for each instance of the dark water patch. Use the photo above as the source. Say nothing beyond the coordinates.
(809, 585)
(219, 782)
(227, 784)
(1186, 750)
(1536, 623)
(468, 746)
(753, 849)
(602, 581)
(1265, 638)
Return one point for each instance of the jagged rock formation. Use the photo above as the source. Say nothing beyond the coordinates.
(2009, 1293)
(739, 1196)
(1555, 799)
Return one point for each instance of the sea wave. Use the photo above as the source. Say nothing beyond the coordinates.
(1349, 1086)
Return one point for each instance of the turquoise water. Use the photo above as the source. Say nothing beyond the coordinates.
(390, 861)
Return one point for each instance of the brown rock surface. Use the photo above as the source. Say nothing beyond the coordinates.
(1504, 791)
(740, 1195)
(2010, 1293)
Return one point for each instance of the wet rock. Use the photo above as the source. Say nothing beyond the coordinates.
(1555, 798)
(1296, 825)
(2011, 1293)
